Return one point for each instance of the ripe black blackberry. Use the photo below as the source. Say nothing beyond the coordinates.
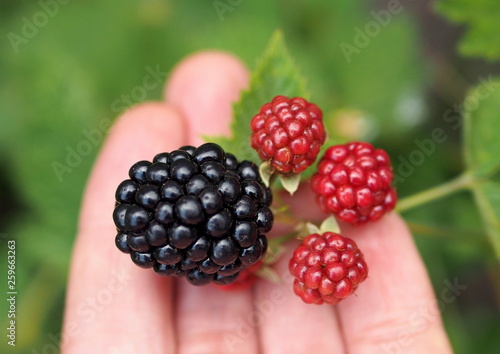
(194, 212)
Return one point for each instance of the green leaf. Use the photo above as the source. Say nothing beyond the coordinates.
(312, 228)
(290, 182)
(481, 18)
(330, 224)
(487, 196)
(275, 74)
(482, 152)
(266, 172)
(482, 143)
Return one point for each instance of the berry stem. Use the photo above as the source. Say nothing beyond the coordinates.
(276, 247)
(473, 236)
(279, 240)
(462, 182)
(283, 216)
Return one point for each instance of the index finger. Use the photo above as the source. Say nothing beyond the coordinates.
(111, 304)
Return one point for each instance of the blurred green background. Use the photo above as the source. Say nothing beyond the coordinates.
(63, 73)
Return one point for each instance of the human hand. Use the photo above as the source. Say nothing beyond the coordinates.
(113, 306)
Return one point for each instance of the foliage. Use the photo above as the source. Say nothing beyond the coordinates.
(482, 151)
(65, 81)
(275, 74)
(481, 19)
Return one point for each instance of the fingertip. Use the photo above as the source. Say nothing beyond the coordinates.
(203, 87)
(138, 134)
(150, 126)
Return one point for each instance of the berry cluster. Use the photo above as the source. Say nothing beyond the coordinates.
(288, 133)
(353, 181)
(194, 212)
(201, 214)
(327, 268)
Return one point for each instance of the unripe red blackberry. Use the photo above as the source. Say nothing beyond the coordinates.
(194, 212)
(288, 133)
(353, 181)
(327, 268)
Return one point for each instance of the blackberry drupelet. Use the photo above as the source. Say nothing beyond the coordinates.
(196, 213)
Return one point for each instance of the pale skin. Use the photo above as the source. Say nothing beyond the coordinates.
(113, 306)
